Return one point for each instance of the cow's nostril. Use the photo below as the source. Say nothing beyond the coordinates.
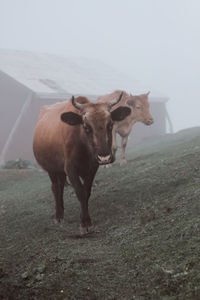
(104, 159)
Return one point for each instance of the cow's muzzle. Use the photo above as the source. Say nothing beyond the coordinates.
(149, 121)
(103, 160)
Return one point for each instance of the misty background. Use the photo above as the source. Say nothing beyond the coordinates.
(154, 41)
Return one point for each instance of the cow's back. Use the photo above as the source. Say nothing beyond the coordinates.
(109, 97)
(125, 125)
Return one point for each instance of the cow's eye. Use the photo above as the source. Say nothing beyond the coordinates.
(88, 128)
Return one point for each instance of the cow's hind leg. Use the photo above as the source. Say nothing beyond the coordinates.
(58, 182)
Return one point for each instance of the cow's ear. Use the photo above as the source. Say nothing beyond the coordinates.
(131, 102)
(120, 113)
(71, 118)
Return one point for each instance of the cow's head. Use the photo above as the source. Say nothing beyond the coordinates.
(140, 108)
(96, 122)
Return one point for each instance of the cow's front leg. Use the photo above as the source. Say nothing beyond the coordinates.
(114, 143)
(114, 148)
(88, 180)
(123, 145)
(86, 223)
(83, 196)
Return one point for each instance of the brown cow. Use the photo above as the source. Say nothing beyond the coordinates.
(139, 113)
(73, 138)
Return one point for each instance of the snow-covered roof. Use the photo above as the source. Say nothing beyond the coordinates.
(47, 73)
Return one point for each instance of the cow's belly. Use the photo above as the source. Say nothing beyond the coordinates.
(124, 127)
(50, 159)
(123, 130)
(48, 153)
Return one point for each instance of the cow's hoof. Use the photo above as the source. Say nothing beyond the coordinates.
(86, 230)
(58, 221)
(123, 162)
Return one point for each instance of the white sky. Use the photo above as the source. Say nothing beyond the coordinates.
(154, 41)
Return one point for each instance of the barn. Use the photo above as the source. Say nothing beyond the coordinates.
(30, 80)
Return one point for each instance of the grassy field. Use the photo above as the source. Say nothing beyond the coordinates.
(146, 243)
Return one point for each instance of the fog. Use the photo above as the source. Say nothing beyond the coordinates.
(154, 41)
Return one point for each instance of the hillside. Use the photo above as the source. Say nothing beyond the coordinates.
(146, 242)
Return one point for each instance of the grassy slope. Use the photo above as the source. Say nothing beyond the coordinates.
(146, 244)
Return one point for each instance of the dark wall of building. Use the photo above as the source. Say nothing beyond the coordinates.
(21, 144)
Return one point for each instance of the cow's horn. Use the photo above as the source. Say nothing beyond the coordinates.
(115, 101)
(76, 104)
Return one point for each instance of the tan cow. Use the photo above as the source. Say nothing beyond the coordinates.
(139, 113)
(73, 138)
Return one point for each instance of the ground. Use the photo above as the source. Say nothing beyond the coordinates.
(147, 229)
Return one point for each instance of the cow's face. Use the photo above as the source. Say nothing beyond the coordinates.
(96, 121)
(140, 108)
